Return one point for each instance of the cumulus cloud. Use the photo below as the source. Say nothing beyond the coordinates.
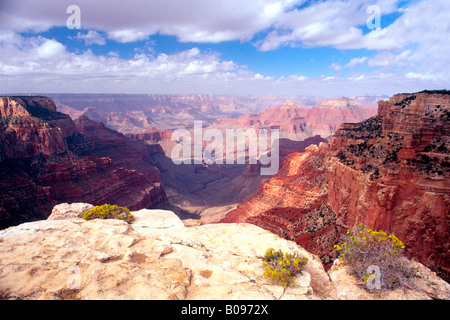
(92, 37)
(190, 21)
(356, 61)
(48, 63)
(413, 49)
(37, 55)
(334, 23)
(45, 65)
(336, 66)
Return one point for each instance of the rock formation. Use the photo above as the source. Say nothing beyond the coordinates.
(392, 173)
(153, 135)
(46, 158)
(157, 257)
(299, 124)
(293, 204)
(133, 113)
(389, 172)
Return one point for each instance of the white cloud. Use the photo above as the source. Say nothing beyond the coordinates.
(334, 23)
(92, 37)
(412, 51)
(355, 61)
(190, 21)
(127, 35)
(47, 61)
(49, 49)
(390, 59)
(335, 66)
(413, 75)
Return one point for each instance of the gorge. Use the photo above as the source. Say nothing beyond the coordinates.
(389, 171)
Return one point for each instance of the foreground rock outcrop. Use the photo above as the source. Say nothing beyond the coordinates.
(158, 257)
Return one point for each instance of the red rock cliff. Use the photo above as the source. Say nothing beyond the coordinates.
(293, 204)
(298, 124)
(46, 158)
(389, 172)
(392, 173)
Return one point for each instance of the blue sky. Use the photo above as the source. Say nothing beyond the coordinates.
(291, 47)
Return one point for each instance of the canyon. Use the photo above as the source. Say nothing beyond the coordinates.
(210, 191)
(389, 172)
(47, 158)
(297, 123)
(343, 163)
(134, 113)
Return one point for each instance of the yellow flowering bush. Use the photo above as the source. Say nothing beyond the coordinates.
(363, 247)
(108, 211)
(282, 268)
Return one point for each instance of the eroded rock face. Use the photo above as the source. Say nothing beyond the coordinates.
(66, 211)
(293, 204)
(299, 124)
(391, 173)
(46, 158)
(157, 257)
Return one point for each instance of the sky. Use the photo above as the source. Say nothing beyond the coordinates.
(258, 47)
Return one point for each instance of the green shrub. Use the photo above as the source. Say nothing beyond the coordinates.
(362, 248)
(108, 211)
(282, 268)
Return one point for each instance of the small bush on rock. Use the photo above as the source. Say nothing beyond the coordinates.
(108, 211)
(364, 249)
(282, 268)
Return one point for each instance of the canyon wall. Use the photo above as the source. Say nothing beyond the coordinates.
(132, 113)
(46, 158)
(293, 204)
(297, 123)
(390, 172)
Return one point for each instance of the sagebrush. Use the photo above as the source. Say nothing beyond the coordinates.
(108, 211)
(282, 268)
(362, 248)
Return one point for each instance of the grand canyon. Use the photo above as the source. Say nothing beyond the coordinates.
(380, 162)
(224, 150)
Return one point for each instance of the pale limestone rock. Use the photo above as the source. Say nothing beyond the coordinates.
(191, 222)
(68, 211)
(147, 221)
(425, 286)
(157, 257)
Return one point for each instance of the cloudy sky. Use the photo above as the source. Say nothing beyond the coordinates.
(290, 47)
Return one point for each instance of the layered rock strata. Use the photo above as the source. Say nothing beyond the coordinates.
(46, 158)
(293, 204)
(392, 173)
(299, 124)
(389, 172)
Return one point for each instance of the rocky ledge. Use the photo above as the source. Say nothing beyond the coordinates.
(158, 257)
